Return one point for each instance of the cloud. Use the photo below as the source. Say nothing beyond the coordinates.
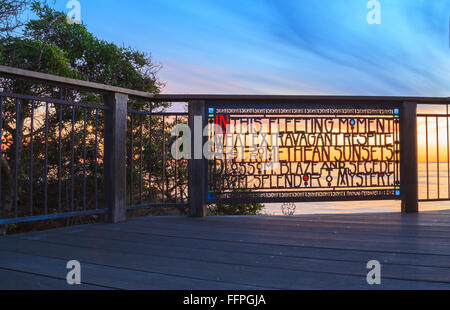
(287, 47)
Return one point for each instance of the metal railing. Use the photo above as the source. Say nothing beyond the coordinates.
(55, 161)
(52, 161)
(78, 148)
(154, 177)
(434, 152)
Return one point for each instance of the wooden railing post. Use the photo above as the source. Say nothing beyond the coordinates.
(197, 182)
(409, 158)
(115, 157)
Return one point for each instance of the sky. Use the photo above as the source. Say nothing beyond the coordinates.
(284, 47)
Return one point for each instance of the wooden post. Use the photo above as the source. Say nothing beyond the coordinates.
(115, 157)
(197, 183)
(409, 158)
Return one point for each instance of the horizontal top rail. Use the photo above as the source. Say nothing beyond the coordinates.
(302, 98)
(168, 113)
(53, 100)
(11, 72)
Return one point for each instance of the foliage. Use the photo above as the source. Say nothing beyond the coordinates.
(220, 209)
(149, 159)
(50, 45)
(24, 53)
(73, 168)
(94, 59)
(236, 209)
(10, 15)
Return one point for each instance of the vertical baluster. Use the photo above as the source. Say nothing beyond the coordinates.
(150, 154)
(31, 157)
(132, 162)
(448, 153)
(96, 160)
(61, 106)
(396, 149)
(438, 159)
(214, 162)
(163, 159)
(1, 151)
(399, 138)
(140, 159)
(16, 159)
(84, 157)
(176, 167)
(72, 160)
(46, 161)
(427, 157)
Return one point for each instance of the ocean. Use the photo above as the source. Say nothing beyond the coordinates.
(429, 191)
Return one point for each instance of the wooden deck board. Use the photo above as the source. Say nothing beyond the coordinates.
(321, 264)
(225, 253)
(151, 242)
(101, 276)
(332, 241)
(291, 225)
(18, 280)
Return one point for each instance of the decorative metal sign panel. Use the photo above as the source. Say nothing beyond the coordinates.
(301, 153)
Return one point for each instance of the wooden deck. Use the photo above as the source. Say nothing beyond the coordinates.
(234, 253)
